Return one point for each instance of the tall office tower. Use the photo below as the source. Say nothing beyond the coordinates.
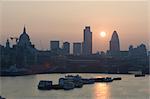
(87, 43)
(114, 43)
(54, 45)
(77, 48)
(66, 48)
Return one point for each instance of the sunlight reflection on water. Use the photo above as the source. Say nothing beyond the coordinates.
(101, 91)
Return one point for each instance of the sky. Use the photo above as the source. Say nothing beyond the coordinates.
(65, 20)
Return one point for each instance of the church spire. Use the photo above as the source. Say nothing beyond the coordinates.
(24, 30)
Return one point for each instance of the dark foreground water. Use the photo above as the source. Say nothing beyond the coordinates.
(25, 87)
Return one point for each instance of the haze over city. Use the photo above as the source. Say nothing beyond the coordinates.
(94, 49)
(65, 21)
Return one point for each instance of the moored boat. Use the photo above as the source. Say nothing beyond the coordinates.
(68, 86)
(74, 79)
(88, 81)
(107, 79)
(117, 78)
(56, 87)
(45, 85)
(139, 75)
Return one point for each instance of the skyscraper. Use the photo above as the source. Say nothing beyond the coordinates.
(114, 43)
(66, 48)
(77, 48)
(87, 43)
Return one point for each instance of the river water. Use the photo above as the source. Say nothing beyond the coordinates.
(25, 87)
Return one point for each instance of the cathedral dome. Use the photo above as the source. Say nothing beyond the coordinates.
(24, 39)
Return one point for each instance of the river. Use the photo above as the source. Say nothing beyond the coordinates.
(25, 87)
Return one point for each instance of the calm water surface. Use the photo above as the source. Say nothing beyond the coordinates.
(25, 87)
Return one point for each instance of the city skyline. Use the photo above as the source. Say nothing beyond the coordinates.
(78, 48)
(70, 28)
(81, 49)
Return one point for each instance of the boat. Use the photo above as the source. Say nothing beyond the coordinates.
(68, 86)
(70, 82)
(76, 80)
(139, 75)
(78, 84)
(98, 79)
(88, 81)
(45, 85)
(107, 79)
(56, 87)
(117, 78)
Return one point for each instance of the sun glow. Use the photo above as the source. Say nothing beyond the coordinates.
(103, 34)
(101, 91)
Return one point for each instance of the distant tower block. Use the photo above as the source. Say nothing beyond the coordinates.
(66, 48)
(54, 45)
(87, 43)
(77, 48)
(114, 42)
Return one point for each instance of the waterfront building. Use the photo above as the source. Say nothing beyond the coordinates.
(54, 45)
(138, 52)
(148, 53)
(23, 54)
(87, 41)
(55, 49)
(77, 47)
(43, 57)
(66, 48)
(24, 40)
(26, 53)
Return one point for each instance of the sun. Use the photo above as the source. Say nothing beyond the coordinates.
(103, 34)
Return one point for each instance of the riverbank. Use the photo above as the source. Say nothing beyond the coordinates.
(26, 74)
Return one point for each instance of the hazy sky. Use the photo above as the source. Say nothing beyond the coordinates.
(65, 21)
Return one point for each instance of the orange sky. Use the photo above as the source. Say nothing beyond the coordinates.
(65, 21)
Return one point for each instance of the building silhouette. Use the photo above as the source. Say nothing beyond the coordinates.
(54, 45)
(7, 44)
(77, 47)
(26, 53)
(114, 45)
(138, 52)
(66, 48)
(114, 42)
(22, 54)
(87, 41)
(24, 39)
